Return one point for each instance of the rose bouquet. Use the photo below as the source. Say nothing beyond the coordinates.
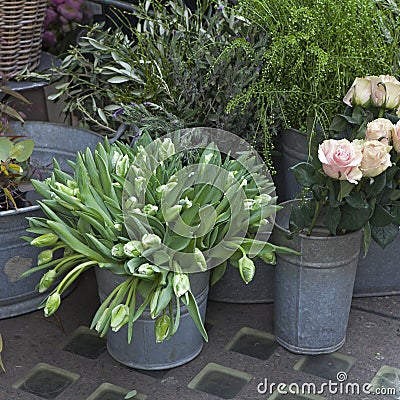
(352, 178)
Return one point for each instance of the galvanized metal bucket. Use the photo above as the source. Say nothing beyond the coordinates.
(293, 146)
(378, 273)
(143, 352)
(19, 296)
(313, 292)
(231, 288)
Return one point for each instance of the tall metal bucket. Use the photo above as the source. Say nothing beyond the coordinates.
(293, 146)
(143, 352)
(313, 291)
(231, 288)
(19, 296)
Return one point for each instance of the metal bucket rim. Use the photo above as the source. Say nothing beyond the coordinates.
(312, 237)
(22, 210)
(58, 125)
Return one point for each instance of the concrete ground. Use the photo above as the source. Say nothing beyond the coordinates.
(49, 358)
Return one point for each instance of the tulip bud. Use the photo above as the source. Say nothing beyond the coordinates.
(161, 328)
(131, 202)
(102, 320)
(119, 317)
(165, 189)
(248, 204)
(150, 209)
(122, 166)
(133, 248)
(45, 256)
(140, 187)
(185, 203)
(181, 284)
(115, 158)
(64, 189)
(150, 240)
(118, 227)
(146, 269)
(269, 257)
(47, 280)
(172, 213)
(200, 260)
(118, 250)
(48, 239)
(246, 269)
(167, 149)
(263, 199)
(52, 304)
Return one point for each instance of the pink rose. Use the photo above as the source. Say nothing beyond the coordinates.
(341, 159)
(359, 93)
(380, 129)
(396, 137)
(375, 158)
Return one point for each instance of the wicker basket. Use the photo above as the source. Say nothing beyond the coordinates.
(21, 30)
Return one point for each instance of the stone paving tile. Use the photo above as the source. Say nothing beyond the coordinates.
(253, 343)
(85, 342)
(108, 391)
(46, 381)
(220, 381)
(333, 366)
(387, 382)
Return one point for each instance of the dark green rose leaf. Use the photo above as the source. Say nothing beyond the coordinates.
(304, 173)
(384, 235)
(377, 186)
(338, 124)
(357, 200)
(332, 219)
(381, 217)
(352, 218)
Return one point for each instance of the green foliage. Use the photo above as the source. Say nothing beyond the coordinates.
(181, 69)
(14, 153)
(317, 49)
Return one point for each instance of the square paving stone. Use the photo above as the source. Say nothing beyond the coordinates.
(333, 366)
(253, 343)
(85, 342)
(46, 381)
(108, 391)
(220, 381)
(387, 382)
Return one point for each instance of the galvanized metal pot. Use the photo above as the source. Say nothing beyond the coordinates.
(143, 352)
(293, 147)
(19, 296)
(231, 288)
(313, 292)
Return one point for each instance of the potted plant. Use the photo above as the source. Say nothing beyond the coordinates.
(26, 151)
(350, 187)
(182, 74)
(316, 50)
(153, 220)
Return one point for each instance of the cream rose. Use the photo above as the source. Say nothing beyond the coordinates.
(341, 159)
(359, 93)
(380, 129)
(396, 137)
(385, 91)
(375, 158)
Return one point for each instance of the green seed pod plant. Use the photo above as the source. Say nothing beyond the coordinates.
(154, 216)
